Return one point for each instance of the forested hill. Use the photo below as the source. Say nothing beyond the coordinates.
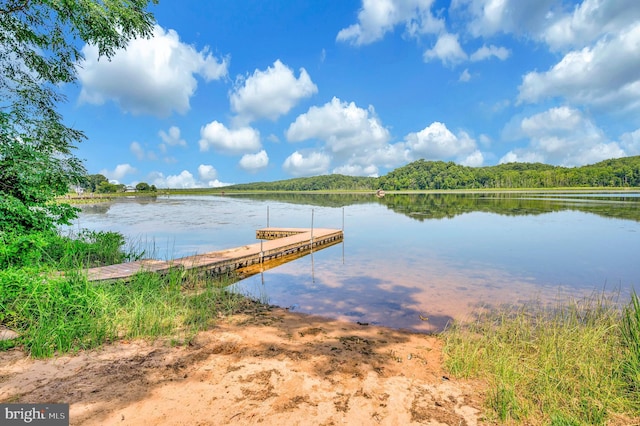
(316, 183)
(433, 175)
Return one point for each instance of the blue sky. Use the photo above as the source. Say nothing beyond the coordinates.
(243, 91)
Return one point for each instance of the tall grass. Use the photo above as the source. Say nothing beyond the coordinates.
(83, 249)
(574, 364)
(631, 347)
(69, 314)
(56, 314)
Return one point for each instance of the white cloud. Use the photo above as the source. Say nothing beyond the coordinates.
(343, 126)
(487, 52)
(589, 21)
(603, 75)
(254, 162)
(356, 170)
(436, 142)
(447, 49)
(172, 137)
(490, 17)
(151, 76)
(366, 161)
(390, 155)
(465, 76)
(561, 136)
(186, 180)
(475, 159)
(271, 93)
(207, 172)
(183, 180)
(378, 17)
(273, 138)
(560, 119)
(307, 164)
(631, 142)
(230, 141)
(558, 23)
(137, 150)
(208, 177)
(119, 172)
(140, 153)
(217, 184)
(521, 156)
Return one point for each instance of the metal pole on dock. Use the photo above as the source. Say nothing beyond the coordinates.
(343, 219)
(311, 228)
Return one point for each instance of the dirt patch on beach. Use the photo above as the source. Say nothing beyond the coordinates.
(268, 367)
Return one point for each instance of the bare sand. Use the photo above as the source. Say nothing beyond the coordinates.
(267, 366)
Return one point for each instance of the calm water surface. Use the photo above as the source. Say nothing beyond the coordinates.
(441, 256)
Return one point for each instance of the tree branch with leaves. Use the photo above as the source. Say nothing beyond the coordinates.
(41, 49)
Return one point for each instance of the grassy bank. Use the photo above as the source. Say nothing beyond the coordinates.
(574, 364)
(58, 314)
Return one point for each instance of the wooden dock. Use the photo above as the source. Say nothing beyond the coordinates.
(280, 244)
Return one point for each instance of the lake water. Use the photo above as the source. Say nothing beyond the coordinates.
(404, 256)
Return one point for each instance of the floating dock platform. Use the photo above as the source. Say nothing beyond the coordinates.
(278, 244)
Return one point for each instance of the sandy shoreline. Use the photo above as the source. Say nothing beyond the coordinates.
(269, 366)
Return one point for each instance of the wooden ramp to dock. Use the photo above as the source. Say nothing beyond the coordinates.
(280, 243)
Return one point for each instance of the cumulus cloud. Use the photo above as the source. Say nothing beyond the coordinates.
(344, 127)
(172, 137)
(185, 179)
(254, 162)
(603, 75)
(390, 155)
(561, 136)
(489, 17)
(562, 25)
(522, 156)
(487, 52)
(437, 142)
(475, 159)
(207, 172)
(151, 76)
(356, 170)
(182, 180)
(589, 21)
(378, 17)
(119, 172)
(230, 141)
(270, 93)
(447, 49)
(631, 142)
(307, 164)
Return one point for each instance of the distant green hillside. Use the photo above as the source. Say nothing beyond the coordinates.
(435, 175)
(316, 183)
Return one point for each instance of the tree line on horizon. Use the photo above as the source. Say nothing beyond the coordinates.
(440, 175)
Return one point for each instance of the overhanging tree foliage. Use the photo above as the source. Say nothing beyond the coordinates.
(40, 48)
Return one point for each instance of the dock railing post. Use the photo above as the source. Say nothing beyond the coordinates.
(311, 229)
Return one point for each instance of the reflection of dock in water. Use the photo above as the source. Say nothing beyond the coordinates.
(281, 245)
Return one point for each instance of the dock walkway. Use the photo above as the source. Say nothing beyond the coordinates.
(279, 243)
